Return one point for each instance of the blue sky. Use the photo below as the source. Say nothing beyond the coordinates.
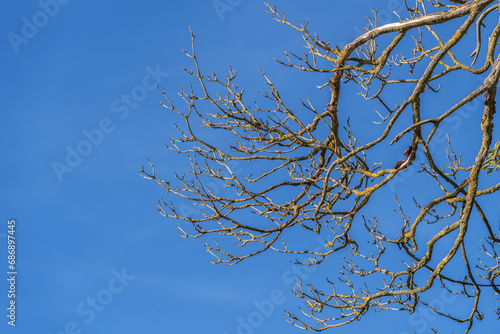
(94, 256)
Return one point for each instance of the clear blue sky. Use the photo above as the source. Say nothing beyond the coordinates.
(94, 256)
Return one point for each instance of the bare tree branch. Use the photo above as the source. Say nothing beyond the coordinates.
(313, 175)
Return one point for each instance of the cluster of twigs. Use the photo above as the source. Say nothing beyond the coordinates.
(312, 174)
